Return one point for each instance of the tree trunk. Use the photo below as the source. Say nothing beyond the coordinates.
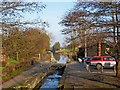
(117, 28)
(99, 48)
(118, 69)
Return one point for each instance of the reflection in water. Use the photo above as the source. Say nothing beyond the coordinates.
(57, 57)
(51, 81)
(60, 59)
(63, 60)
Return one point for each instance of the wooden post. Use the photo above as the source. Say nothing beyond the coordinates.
(17, 56)
(39, 56)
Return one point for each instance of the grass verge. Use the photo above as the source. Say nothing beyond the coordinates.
(14, 73)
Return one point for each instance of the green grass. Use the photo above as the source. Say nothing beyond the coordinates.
(1, 68)
(12, 62)
(67, 50)
(9, 63)
(14, 73)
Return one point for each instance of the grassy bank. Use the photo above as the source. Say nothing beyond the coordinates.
(14, 73)
(13, 68)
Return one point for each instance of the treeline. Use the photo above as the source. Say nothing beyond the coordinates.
(92, 22)
(23, 45)
(20, 41)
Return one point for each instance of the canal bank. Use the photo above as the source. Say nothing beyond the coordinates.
(29, 77)
(76, 76)
(52, 79)
(33, 78)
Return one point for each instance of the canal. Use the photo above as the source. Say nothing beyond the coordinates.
(52, 80)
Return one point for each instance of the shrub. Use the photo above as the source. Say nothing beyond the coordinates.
(4, 63)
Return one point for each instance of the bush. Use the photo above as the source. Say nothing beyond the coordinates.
(4, 63)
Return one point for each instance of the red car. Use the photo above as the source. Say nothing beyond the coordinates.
(103, 61)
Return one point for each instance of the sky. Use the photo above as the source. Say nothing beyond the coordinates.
(53, 14)
(50, 0)
(54, 11)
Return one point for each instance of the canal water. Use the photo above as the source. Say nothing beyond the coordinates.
(60, 59)
(52, 80)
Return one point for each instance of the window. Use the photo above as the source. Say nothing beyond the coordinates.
(106, 58)
(109, 58)
(96, 58)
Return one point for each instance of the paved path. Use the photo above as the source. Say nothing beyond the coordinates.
(26, 75)
(76, 76)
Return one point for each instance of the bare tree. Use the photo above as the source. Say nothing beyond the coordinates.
(95, 21)
(12, 14)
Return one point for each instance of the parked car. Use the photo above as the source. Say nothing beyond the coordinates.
(80, 60)
(87, 60)
(103, 61)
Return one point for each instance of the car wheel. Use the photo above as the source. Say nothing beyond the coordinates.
(99, 66)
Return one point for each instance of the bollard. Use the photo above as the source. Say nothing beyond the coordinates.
(88, 67)
(102, 69)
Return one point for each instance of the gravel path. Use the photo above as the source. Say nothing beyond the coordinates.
(76, 76)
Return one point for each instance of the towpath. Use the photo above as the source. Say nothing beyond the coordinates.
(42, 67)
(76, 76)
